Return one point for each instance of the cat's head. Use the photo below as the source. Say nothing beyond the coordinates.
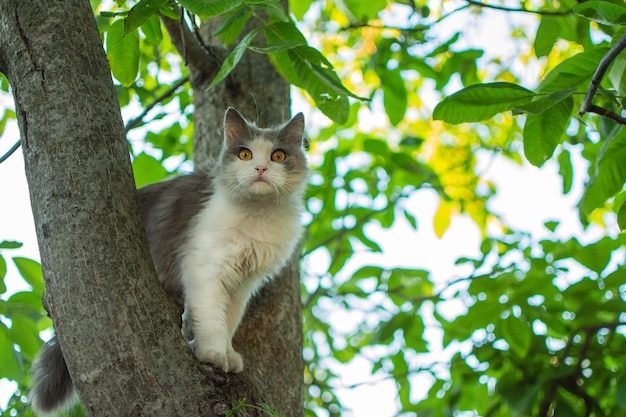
(263, 164)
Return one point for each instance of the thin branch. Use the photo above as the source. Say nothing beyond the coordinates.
(136, 121)
(603, 66)
(419, 28)
(359, 25)
(589, 331)
(11, 151)
(606, 113)
(520, 9)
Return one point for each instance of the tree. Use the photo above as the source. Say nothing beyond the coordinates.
(74, 127)
(539, 327)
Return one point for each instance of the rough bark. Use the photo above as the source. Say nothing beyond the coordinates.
(119, 332)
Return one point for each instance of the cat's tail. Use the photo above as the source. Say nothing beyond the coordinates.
(53, 390)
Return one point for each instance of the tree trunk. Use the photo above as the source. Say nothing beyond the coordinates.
(119, 332)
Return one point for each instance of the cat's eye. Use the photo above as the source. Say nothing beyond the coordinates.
(245, 154)
(278, 155)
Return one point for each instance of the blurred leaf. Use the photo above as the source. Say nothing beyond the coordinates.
(11, 368)
(443, 217)
(609, 175)
(566, 170)
(25, 334)
(395, 97)
(299, 7)
(209, 8)
(31, 272)
(621, 216)
(3, 272)
(365, 10)
(602, 12)
(152, 29)
(8, 244)
(141, 12)
(147, 170)
(518, 335)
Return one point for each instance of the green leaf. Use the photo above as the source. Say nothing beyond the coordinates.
(25, 334)
(573, 71)
(518, 335)
(233, 24)
(209, 8)
(307, 68)
(481, 102)
(602, 12)
(152, 29)
(141, 12)
(31, 272)
(547, 34)
(10, 244)
(621, 216)
(25, 304)
(617, 74)
(609, 174)
(543, 132)
(234, 57)
(275, 48)
(395, 97)
(3, 272)
(11, 368)
(546, 102)
(123, 53)
(411, 219)
(299, 7)
(620, 391)
(566, 170)
(363, 11)
(147, 170)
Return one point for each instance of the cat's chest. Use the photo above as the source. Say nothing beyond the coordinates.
(222, 220)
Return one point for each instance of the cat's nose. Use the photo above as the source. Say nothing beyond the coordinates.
(261, 169)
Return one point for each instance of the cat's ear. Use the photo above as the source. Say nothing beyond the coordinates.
(294, 129)
(235, 126)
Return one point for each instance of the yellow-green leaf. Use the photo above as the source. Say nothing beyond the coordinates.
(123, 53)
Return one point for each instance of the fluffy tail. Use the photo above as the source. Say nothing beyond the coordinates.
(53, 390)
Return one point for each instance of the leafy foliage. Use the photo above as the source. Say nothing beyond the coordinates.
(533, 323)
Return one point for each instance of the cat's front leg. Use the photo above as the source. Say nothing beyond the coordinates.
(234, 313)
(206, 300)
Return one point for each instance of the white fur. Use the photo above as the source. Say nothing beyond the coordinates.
(232, 249)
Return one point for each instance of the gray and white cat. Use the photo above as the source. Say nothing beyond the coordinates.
(215, 239)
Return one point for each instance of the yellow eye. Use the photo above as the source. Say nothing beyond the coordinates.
(278, 155)
(245, 154)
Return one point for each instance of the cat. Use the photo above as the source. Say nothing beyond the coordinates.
(215, 238)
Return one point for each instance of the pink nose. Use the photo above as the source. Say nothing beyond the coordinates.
(261, 169)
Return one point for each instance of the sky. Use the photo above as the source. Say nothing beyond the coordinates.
(527, 197)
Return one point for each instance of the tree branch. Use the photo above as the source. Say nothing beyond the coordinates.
(606, 113)
(136, 121)
(520, 9)
(203, 61)
(11, 151)
(603, 66)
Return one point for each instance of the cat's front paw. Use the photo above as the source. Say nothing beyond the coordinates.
(235, 361)
(213, 356)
